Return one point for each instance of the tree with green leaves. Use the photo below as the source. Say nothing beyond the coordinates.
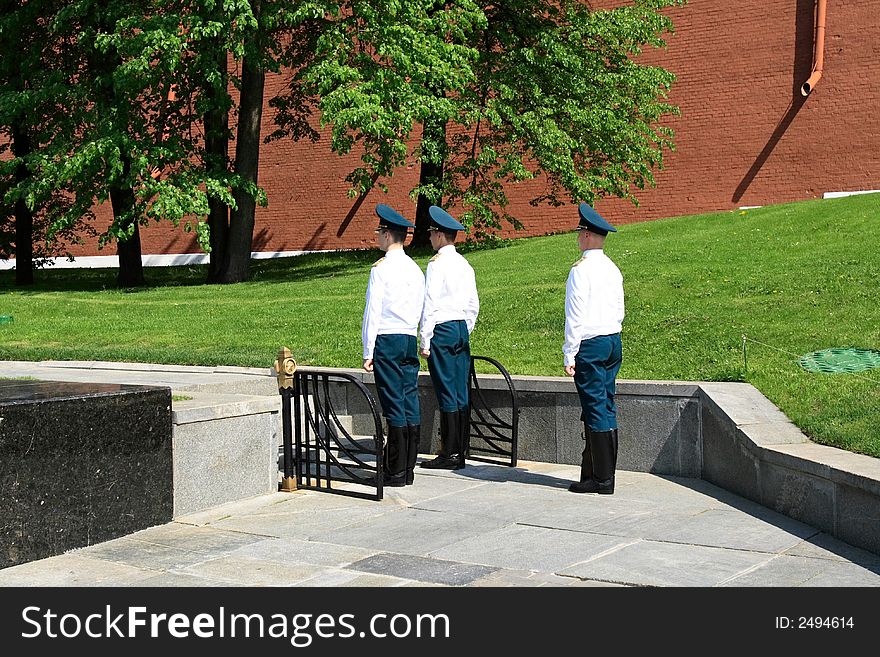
(131, 134)
(115, 99)
(135, 97)
(230, 30)
(27, 106)
(235, 263)
(491, 94)
(19, 31)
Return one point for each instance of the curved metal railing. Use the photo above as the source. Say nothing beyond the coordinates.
(318, 449)
(492, 438)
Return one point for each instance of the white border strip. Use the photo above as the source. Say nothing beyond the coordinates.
(842, 194)
(165, 260)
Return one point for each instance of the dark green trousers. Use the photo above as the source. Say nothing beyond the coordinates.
(396, 369)
(450, 364)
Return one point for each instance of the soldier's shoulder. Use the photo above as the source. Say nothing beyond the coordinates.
(579, 261)
(434, 257)
(375, 264)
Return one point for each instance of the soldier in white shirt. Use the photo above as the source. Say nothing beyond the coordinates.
(448, 318)
(592, 349)
(395, 295)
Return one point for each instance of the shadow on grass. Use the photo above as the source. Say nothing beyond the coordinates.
(294, 268)
(99, 280)
(312, 266)
(309, 266)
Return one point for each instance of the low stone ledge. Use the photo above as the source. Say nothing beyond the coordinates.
(753, 450)
(726, 433)
(767, 434)
(129, 367)
(837, 465)
(204, 407)
(225, 449)
(742, 403)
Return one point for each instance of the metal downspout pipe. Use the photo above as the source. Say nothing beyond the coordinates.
(818, 50)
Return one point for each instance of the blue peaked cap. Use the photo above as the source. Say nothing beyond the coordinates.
(593, 221)
(391, 218)
(441, 219)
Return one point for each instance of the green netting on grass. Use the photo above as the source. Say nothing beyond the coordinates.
(840, 359)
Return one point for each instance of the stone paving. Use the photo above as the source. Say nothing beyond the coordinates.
(486, 525)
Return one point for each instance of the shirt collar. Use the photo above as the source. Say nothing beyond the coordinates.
(446, 249)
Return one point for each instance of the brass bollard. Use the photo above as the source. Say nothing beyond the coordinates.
(285, 367)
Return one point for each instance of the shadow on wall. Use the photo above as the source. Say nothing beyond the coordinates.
(261, 239)
(181, 242)
(359, 201)
(801, 69)
(316, 242)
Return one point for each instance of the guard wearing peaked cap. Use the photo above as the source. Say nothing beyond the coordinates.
(592, 350)
(442, 220)
(448, 318)
(395, 294)
(592, 221)
(391, 219)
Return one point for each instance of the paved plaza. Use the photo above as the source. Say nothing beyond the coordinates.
(486, 525)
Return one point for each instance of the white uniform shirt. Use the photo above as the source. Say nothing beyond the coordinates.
(593, 301)
(450, 293)
(395, 295)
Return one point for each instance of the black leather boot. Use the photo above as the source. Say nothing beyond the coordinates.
(614, 462)
(413, 436)
(464, 435)
(586, 457)
(396, 457)
(603, 453)
(447, 459)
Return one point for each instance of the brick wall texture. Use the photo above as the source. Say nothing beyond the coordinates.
(746, 136)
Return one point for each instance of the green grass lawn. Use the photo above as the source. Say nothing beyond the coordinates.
(798, 277)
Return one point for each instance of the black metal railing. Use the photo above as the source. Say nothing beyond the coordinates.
(318, 450)
(492, 438)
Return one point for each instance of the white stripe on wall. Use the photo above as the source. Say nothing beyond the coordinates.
(166, 260)
(841, 194)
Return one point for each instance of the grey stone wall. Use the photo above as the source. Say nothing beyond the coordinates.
(659, 423)
(752, 449)
(225, 449)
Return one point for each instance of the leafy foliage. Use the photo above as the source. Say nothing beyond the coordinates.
(527, 89)
(26, 89)
(115, 93)
(483, 95)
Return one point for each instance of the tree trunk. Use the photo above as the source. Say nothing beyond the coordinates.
(217, 147)
(218, 222)
(236, 263)
(131, 268)
(430, 173)
(24, 218)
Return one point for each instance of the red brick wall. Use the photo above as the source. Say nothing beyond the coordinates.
(745, 136)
